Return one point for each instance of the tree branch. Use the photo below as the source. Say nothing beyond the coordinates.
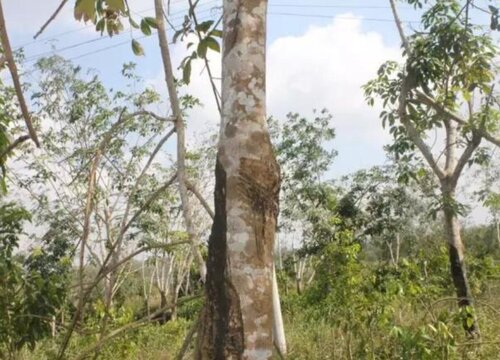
(4, 39)
(51, 18)
(12, 146)
(399, 25)
(427, 100)
(148, 202)
(203, 202)
(412, 132)
(466, 156)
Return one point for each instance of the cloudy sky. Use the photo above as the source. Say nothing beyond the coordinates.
(319, 54)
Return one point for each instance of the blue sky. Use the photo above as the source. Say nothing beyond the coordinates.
(319, 54)
(289, 21)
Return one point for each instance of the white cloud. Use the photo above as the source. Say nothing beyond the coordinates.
(323, 68)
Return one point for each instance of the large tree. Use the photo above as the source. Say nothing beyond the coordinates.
(237, 319)
(446, 86)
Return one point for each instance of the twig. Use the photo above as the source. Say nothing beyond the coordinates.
(89, 206)
(51, 18)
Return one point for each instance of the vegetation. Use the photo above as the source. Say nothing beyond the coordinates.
(109, 248)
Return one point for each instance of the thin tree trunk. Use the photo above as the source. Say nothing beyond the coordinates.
(237, 320)
(398, 248)
(89, 206)
(163, 304)
(458, 271)
(498, 230)
(391, 252)
(181, 137)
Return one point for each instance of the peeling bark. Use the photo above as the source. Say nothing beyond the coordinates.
(237, 321)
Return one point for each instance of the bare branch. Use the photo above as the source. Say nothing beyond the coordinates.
(86, 224)
(466, 156)
(154, 115)
(412, 132)
(12, 146)
(203, 202)
(147, 203)
(427, 100)
(51, 18)
(153, 155)
(4, 39)
(399, 25)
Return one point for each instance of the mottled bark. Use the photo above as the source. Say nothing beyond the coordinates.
(237, 321)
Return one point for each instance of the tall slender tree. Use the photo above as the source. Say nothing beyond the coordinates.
(237, 320)
(448, 71)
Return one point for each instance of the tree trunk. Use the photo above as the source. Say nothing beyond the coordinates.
(391, 253)
(237, 320)
(181, 137)
(398, 248)
(163, 303)
(457, 267)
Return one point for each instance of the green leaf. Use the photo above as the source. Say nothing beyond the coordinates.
(85, 9)
(133, 23)
(204, 26)
(101, 24)
(151, 22)
(202, 49)
(118, 5)
(216, 33)
(186, 72)
(137, 48)
(470, 321)
(212, 44)
(146, 30)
